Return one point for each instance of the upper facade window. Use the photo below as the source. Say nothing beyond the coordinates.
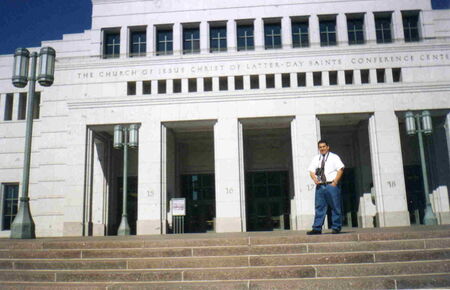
(383, 27)
(327, 27)
(218, 38)
(138, 42)
(191, 40)
(111, 43)
(411, 25)
(272, 35)
(300, 33)
(245, 37)
(164, 41)
(355, 29)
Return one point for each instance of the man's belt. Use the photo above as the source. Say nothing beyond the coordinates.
(325, 183)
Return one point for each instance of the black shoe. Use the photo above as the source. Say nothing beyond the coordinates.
(314, 232)
(335, 231)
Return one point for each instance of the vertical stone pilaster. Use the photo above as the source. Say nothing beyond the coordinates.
(124, 42)
(397, 25)
(369, 25)
(286, 32)
(151, 200)
(177, 37)
(150, 34)
(314, 31)
(341, 27)
(227, 175)
(231, 36)
(259, 34)
(387, 170)
(204, 37)
(304, 137)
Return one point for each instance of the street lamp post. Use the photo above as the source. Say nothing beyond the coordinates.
(125, 137)
(23, 224)
(421, 124)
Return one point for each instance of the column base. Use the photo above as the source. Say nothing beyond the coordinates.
(148, 227)
(304, 222)
(228, 225)
(98, 230)
(393, 219)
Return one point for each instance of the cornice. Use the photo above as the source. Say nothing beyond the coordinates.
(96, 62)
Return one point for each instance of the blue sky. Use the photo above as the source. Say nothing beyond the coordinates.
(25, 23)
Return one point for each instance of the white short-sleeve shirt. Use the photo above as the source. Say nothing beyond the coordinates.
(332, 164)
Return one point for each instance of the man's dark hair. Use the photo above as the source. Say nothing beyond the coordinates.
(322, 142)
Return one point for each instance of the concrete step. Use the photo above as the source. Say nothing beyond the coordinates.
(424, 281)
(237, 273)
(235, 239)
(207, 251)
(226, 261)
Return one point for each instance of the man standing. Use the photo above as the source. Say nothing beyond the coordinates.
(326, 170)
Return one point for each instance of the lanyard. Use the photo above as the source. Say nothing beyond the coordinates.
(326, 158)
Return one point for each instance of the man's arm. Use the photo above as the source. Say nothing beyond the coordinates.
(314, 177)
(339, 174)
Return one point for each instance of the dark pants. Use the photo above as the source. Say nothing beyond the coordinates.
(328, 196)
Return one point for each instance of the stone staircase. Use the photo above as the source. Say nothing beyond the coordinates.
(389, 258)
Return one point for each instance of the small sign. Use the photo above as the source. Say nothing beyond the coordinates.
(178, 206)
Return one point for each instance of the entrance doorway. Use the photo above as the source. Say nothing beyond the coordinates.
(268, 173)
(348, 137)
(104, 177)
(198, 189)
(189, 174)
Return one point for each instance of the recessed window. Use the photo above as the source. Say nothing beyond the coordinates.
(365, 76)
(21, 114)
(9, 204)
(411, 25)
(138, 42)
(286, 80)
(333, 78)
(191, 40)
(111, 43)
(177, 86)
(164, 41)
(223, 83)
(355, 29)
(383, 27)
(272, 35)
(301, 79)
(348, 77)
(162, 86)
(381, 75)
(131, 88)
(192, 85)
(207, 84)
(218, 38)
(270, 81)
(327, 28)
(245, 37)
(397, 75)
(146, 87)
(317, 78)
(238, 82)
(254, 82)
(8, 107)
(300, 33)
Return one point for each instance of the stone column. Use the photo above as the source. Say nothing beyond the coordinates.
(151, 201)
(447, 132)
(387, 170)
(227, 175)
(369, 21)
(99, 188)
(150, 34)
(231, 36)
(397, 25)
(304, 135)
(286, 32)
(314, 31)
(259, 34)
(204, 37)
(341, 30)
(124, 42)
(177, 37)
